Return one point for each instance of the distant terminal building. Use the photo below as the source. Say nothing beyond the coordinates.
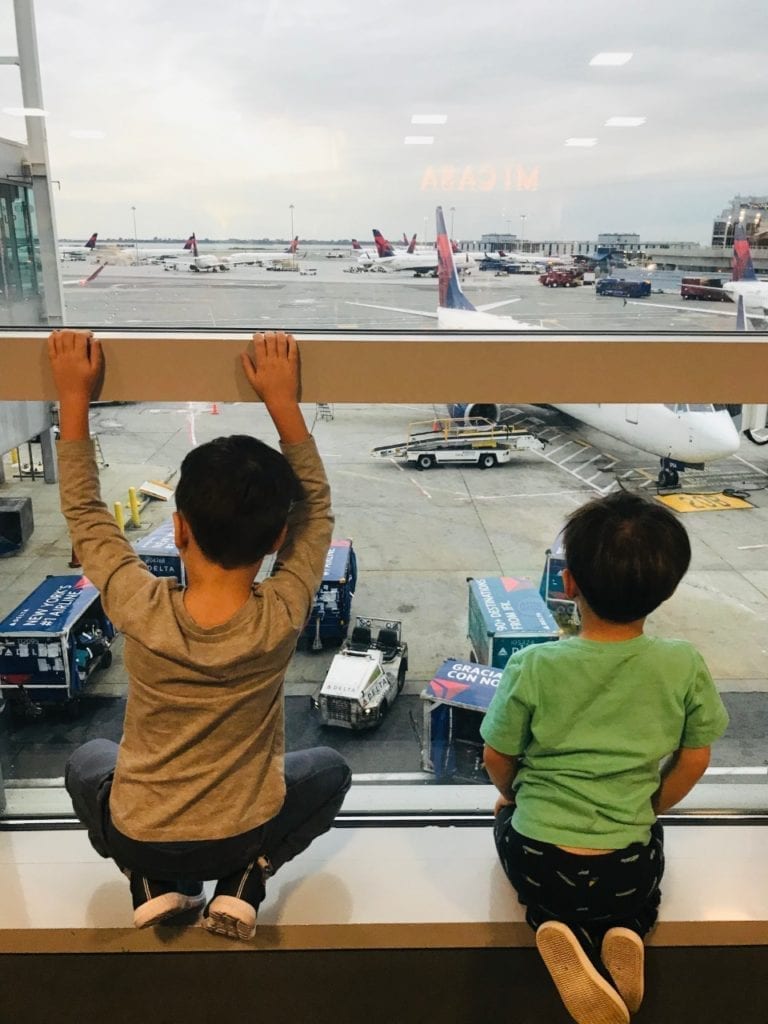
(622, 242)
(751, 212)
(494, 242)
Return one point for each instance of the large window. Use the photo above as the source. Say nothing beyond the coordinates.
(583, 159)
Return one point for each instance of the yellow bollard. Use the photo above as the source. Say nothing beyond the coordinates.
(15, 456)
(119, 515)
(133, 501)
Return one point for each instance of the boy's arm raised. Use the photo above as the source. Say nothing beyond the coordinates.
(274, 374)
(107, 558)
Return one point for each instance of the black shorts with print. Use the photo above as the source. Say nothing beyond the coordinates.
(589, 893)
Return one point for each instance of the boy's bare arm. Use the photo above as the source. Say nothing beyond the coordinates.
(679, 776)
(274, 374)
(502, 769)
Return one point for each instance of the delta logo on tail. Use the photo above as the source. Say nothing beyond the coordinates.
(191, 243)
(450, 294)
(383, 247)
(91, 243)
(742, 267)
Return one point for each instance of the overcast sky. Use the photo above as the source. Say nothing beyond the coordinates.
(217, 116)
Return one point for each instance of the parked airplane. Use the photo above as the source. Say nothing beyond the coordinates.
(75, 252)
(681, 435)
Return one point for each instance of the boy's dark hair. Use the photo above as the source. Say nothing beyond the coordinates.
(626, 554)
(235, 493)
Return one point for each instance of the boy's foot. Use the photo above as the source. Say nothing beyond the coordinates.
(155, 901)
(587, 996)
(230, 916)
(623, 954)
(232, 911)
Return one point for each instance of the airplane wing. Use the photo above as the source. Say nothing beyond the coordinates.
(85, 280)
(396, 309)
(495, 305)
(750, 315)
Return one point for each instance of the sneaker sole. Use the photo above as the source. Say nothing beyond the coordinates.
(587, 996)
(163, 907)
(231, 917)
(623, 954)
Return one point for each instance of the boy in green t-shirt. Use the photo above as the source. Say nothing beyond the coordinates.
(574, 738)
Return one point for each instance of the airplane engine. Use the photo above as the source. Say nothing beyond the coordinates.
(469, 411)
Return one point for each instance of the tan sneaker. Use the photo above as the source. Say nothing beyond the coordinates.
(623, 954)
(587, 996)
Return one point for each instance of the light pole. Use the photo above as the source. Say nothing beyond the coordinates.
(290, 243)
(522, 229)
(135, 236)
(453, 211)
(426, 221)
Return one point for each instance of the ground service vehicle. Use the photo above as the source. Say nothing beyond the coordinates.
(454, 441)
(506, 613)
(622, 289)
(365, 676)
(159, 553)
(331, 610)
(708, 289)
(51, 643)
(453, 705)
(561, 278)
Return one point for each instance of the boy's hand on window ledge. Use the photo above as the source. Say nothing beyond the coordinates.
(77, 364)
(501, 801)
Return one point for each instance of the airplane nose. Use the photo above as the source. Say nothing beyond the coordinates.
(720, 438)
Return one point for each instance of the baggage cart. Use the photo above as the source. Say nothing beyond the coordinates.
(506, 613)
(52, 642)
(159, 552)
(453, 705)
(330, 616)
(564, 610)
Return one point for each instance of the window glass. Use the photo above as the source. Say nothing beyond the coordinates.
(273, 169)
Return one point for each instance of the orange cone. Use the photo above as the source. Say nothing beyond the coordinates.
(214, 409)
(437, 425)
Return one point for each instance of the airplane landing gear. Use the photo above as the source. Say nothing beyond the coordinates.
(668, 474)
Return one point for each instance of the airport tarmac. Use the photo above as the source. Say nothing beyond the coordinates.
(418, 537)
(320, 294)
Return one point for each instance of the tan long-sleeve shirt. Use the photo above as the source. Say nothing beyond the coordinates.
(202, 750)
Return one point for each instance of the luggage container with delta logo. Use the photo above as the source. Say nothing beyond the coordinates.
(331, 612)
(506, 613)
(454, 703)
(52, 642)
(159, 553)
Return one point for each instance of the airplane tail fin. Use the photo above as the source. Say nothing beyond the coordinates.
(451, 295)
(742, 256)
(405, 239)
(91, 243)
(411, 244)
(383, 248)
(191, 243)
(294, 244)
(455, 246)
(356, 245)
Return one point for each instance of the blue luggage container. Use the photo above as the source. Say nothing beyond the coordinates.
(454, 703)
(506, 613)
(332, 608)
(52, 642)
(563, 609)
(159, 552)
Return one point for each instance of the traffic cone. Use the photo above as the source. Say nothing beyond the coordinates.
(214, 409)
(436, 425)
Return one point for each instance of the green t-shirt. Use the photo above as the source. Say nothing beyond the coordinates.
(590, 722)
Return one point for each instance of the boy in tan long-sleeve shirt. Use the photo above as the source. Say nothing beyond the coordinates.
(199, 786)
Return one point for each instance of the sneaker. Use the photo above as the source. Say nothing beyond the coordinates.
(155, 901)
(623, 954)
(230, 916)
(236, 899)
(587, 996)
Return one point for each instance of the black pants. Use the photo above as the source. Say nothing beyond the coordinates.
(588, 893)
(316, 782)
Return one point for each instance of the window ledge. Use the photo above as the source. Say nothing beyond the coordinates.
(372, 888)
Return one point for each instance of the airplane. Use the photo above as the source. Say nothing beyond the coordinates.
(745, 283)
(85, 280)
(73, 252)
(264, 258)
(680, 435)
